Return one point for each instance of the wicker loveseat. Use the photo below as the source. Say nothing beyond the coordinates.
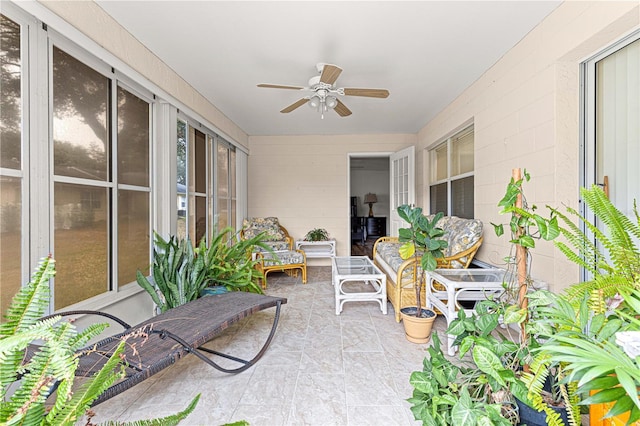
(464, 237)
(284, 258)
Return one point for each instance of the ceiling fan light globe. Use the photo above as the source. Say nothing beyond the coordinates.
(314, 102)
(331, 102)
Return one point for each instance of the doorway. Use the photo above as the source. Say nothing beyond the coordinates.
(369, 194)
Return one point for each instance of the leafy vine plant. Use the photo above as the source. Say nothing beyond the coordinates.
(526, 227)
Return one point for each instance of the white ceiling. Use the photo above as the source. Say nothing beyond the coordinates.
(424, 52)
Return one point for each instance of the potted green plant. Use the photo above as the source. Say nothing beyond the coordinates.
(422, 242)
(317, 234)
(507, 359)
(445, 393)
(180, 273)
(593, 319)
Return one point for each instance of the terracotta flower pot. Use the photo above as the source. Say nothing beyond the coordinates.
(598, 411)
(417, 329)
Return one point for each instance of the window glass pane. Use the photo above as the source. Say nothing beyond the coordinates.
(232, 173)
(10, 239)
(133, 235)
(200, 220)
(438, 197)
(200, 153)
(182, 180)
(233, 213)
(222, 166)
(133, 139)
(462, 154)
(80, 117)
(439, 163)
(232, 178)
(80, 242)
(10, 94)
(462, 197)
(223, 213)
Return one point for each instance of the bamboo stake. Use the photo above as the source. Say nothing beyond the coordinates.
(521, 260)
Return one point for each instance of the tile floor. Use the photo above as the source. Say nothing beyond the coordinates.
(321, 369)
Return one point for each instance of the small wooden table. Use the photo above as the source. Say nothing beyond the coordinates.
(446, 288)
(349, 269)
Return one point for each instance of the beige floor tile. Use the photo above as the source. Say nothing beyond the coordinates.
(321, 368)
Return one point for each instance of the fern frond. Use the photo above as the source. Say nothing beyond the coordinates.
(31, 301)
(171, 420)
(67, 411)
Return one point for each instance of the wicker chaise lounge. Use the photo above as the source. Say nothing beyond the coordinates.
(162, 340)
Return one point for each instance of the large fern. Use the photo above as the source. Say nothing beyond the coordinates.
(539, 371)
(616, 265)
(53, 364)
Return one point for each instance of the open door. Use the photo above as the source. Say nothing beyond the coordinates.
(402, 173)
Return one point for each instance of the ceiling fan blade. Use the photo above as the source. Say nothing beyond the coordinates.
(280, 86)
(295, 105)
(370, 93)
(330, 74)
(342, 109)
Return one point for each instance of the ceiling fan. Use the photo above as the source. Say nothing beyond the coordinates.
(324, 94)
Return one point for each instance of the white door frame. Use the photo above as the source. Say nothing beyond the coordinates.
(351, 155)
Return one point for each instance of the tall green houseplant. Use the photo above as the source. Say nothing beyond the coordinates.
(180, 272)
(423, 241)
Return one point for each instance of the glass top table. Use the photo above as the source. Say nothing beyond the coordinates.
(452, 289)
(350, 272)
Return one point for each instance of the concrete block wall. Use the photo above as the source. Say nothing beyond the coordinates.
(304, 180)
(526, 115)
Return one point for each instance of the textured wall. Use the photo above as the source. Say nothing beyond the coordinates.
(303, 180)
(526, 114)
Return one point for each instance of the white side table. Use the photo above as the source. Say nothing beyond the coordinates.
(317, 248)
(446, 288)
(349, 269)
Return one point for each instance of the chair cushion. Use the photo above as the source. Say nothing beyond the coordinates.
(460, 233)
(285, 257)
(269, 225)
(275, 246)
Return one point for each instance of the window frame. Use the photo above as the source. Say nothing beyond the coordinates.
(37, 182)
(448, 142)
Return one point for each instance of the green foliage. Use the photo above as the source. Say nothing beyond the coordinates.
(228, 260)
(423, 239)
(170, 420)
(317, 234)
(526, 226)
(446, 394)
(52, 365)
(614, 263)
(179, 272)
(584, 344)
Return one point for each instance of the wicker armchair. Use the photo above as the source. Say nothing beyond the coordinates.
(284, 258)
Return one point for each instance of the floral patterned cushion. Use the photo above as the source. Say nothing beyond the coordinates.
(275, 246)
(286, 257)
(269, 225)
(460, 234)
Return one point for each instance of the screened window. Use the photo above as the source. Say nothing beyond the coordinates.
(101, 190)
(11, 158)
(452, 182)
(226, 185)
(87, 199)
(193, 182)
